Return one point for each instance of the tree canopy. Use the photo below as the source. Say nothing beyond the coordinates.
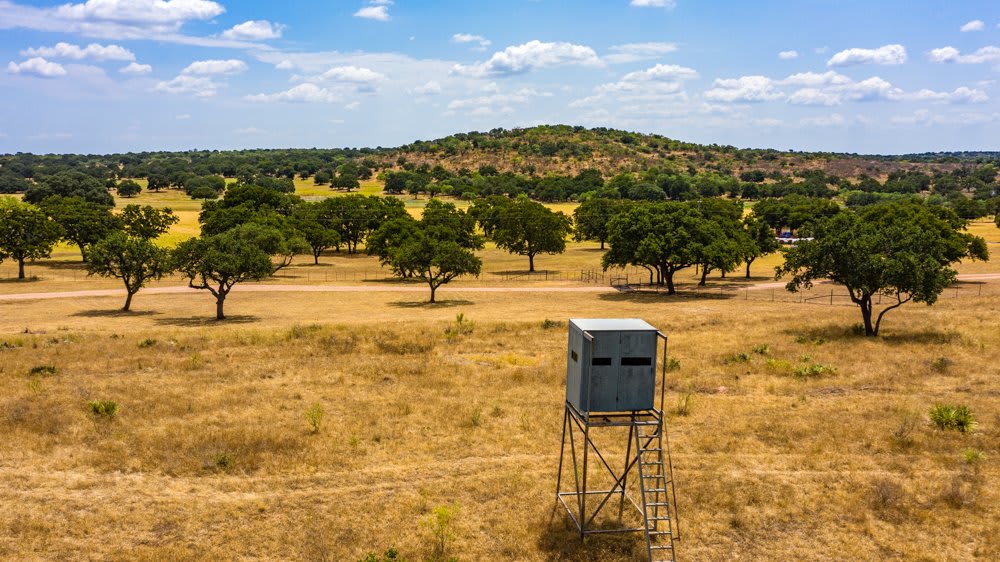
(147, 222)
(83, 222)
(522, 226)
(436, 249)
(218, 262)
(135, 260)
(901, 250)
(26, 233)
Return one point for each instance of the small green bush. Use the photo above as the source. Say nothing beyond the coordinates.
(550, 324)
(223, 461)
(673, 364)
(104, 408)
(812, 370)
(973, 456)
(390, 555)
(461, 327)
(314, 415)
(43, 370)
(148, 342)
(762, 349)
(949, 416)
(941, 365)
(736, 358)
(440, 524)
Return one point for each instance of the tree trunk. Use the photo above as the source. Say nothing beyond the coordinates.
(219, 301)
(704, 275)
(316, 257)
(866, 315)
(128, 301)
(669, 275)
(750, 261)
(83, 252)
(433, 289)
(602, 243)
(531, 263)
(723, 273)
(20, 269)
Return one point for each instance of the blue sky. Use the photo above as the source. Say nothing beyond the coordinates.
(96, 76)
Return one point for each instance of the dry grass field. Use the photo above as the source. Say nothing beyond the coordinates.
(793, 438)
(800, 441)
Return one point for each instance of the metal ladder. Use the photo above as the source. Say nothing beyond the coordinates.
(656, 486)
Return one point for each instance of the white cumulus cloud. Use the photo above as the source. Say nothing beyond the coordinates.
(788, 55)
(215, 67)
(254, 30)
(528, 56)
(136, 69)
(199, 86)
(744, 88)
(959, 95)
(669, 4)
(37, 66)
(989, 54)
(632, 52)
(479, 40)
(93, 51)
(353, 74)
(974, 25)
(432, 87)
(303, 93)
(141, 11)
(885, 55)
(378, 13)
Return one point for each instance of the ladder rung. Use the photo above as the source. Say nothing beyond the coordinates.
(661, 547)
(659, 533)
(652, 475)
(656, 504)
(655, 490)
(659, 518)
(651, 450)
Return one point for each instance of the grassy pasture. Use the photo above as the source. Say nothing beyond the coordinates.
(210, 455)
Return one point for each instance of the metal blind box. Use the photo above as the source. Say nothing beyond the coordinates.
(611, 364)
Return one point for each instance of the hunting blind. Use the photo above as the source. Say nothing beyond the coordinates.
(611, 383)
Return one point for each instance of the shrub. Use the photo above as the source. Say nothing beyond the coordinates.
(314, 415)
(973, 456)
(808, 340)
(941, 365)
(148, 342)
(440, 524)
(461, 327)
(223, 461)
(813, 370)
(736, 358)
(42, 371)
(683, 407)
(949, 416)
(105, 408)
(762, 349)
(550, 324)
(673, 364)
(902, 435)
(390, 555)
(298, 331)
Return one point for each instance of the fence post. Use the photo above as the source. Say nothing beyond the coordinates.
(831, 297)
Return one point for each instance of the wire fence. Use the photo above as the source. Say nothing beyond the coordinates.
(818, 295)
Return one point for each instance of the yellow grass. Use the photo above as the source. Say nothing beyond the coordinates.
(211, 457)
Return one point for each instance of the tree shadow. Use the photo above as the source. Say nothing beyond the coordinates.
(854, 332)
(424, 304)
(117, 313)
(66, 264)
(202, 321)
(662, 296)
(15, 280)
(525, 272)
